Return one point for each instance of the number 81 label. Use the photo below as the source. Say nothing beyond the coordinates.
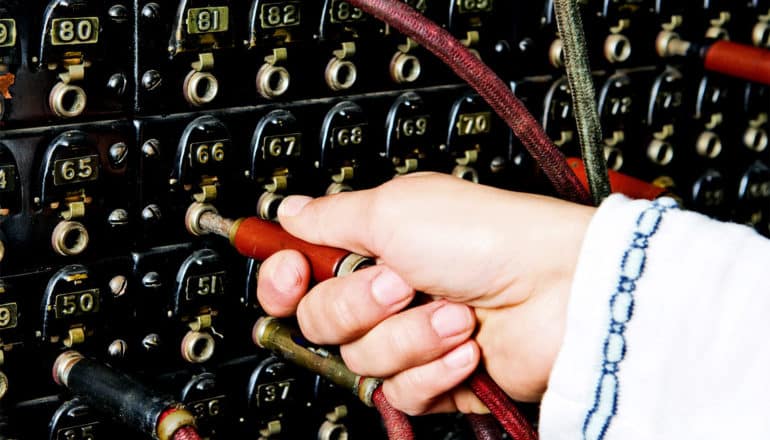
(78, 30)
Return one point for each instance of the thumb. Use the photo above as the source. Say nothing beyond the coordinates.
(341, 220)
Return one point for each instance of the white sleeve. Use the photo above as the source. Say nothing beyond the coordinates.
(667, 330)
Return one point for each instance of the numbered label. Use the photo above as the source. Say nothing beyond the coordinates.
(420, 5)
(69, 305)
(280, 15)
(7, 178)
(206, 408)
(76, 170)
(289, 145)
(341, 11)
(474, 123)
(269, 394)
(203, 153)
(9, 316)
(208, 20)
(7, 32)
(415, 126)
(347, 136)
(472, 6)
(82, 432)
(81, 30)
(205, 285)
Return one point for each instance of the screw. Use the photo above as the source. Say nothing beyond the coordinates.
(118, 153)
(117, 84)
(118, 348)
(118, 285)
(151, 11)
(151, 280)
(151, 79)
(151, 148)
(151, 341)
(118, 217)
(151, 213)
(118, 13)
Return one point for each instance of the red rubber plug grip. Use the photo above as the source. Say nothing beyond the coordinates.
(739, 60)
(260, 239)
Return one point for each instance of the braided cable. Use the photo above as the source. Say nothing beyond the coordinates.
(479, 76)
(581, 85)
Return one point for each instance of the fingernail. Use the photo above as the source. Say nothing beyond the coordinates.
(389, 289)
(286, 277)
(451, 319)
(292, 205)
(459, 357)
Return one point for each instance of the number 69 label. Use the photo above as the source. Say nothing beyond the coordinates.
(78, 30)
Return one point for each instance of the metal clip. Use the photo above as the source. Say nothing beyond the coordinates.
(345, 174)
(205, 62)
(74, 210)
(201, 322)
(408, 166)
(469, 157)
(277, 183)
(347, 50)
(75, 336)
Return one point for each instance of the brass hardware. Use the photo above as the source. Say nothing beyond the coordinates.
(617, 48)
(272, 79)
(556, 53)
(660, 152)
(408, 166)
(67, 100)
(345, 174)
(173, 421)
(405, 68)
(267, 205)
(466, 173)
(197, 347)
(75, 336)
(341, 74)
(69, 238)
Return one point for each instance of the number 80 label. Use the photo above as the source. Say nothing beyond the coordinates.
(78, 30)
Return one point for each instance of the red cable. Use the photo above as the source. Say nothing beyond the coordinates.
(396, 422)
(468, 67)
(485, 427)
(501, 407)
(186, 433)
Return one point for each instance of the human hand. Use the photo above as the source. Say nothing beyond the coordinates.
(492, 259)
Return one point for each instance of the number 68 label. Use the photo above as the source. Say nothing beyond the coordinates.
(77, 30)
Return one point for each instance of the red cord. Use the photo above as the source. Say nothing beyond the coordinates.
(396, 422)
(468, 67)
(485, 427)
(501, 407)
(186, 433)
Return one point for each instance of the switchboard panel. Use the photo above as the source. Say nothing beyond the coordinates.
(116, 115)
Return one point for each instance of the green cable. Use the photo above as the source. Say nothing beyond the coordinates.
(581, 84)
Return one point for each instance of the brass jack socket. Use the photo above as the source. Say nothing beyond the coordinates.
(197, 347)
(200, 88)
(340, 74)
(67, 100)
(405, 68)
(69, 238)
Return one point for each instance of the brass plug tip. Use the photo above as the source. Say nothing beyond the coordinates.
(261, 333)
(63, 365)
(192, 219)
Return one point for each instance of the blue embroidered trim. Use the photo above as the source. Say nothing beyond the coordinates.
(621, 311)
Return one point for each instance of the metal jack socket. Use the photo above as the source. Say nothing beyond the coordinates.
(271, 334)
